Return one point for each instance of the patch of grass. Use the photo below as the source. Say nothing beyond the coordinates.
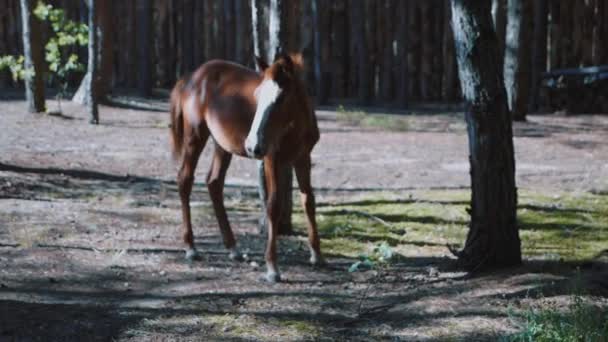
(382, 121)
(568, 226)
(581, 321)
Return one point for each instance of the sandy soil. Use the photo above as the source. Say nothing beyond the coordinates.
(89, 220)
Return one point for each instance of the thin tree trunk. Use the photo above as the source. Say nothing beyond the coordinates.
(402, 52)
(105, 56)
(91, 93)
(239, 31)
(518, 58)
(493, 238)
(187, 36)
(387, 12)
(449, 85)
(34, 57)
(361, 52)
(554, 36)
(145, 52)
(277, 34)
(317, 63)
(539, 51)
(499, 19)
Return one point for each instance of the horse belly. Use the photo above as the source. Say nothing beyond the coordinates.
(229, 138)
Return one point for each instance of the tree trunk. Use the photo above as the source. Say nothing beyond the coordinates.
(187, 36)
(449, 80)
(402, 51)
(539, 51)
(518, 58)
(554, 36)
(239, 32)
(499, 19)
(228, 10)
(493, 238)
(34, 57)
(144, 47)
(317, 63)
(386, 11)
(360, 51)
(277, 34)
(105, 56)
(91, 98)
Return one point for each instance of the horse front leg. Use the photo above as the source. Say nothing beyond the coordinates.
(307, 196)
(273, 211)
(185, 180)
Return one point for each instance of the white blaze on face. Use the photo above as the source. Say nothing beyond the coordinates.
(266, 95)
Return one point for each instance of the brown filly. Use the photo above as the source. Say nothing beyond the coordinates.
(266, 115)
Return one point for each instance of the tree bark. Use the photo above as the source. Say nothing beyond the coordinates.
(493, 238)
(34, 57)
(360, 51)
(317, 54)
(187, 36)
(539, 51)
(239, 31)
(105, 56)
(91, 98)
(449, 86)
(499, 19)
(277, 34)
(518, 58)
(145, 52)
(402, 52)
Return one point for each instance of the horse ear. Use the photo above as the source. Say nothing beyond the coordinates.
(261, 63)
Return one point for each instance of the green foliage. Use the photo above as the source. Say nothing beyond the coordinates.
(381, 253)
(67, 33)
(580, 322)
(16, 66)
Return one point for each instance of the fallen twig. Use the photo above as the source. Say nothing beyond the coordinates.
(367, 215)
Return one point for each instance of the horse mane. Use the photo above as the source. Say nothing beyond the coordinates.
(298, 62)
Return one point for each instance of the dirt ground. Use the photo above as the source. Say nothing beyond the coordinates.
(89, 226)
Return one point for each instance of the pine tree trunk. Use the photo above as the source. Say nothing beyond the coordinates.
(518, 57)
(554, 36)
(493, 238)
(105, 56)
(145, 52)
(449, 86)
(316, 26)
(499, 19)
(239, 26)
(539, 51)
(360, 51)
(187, 36)
(34, 57)
(91, 97)
(277, 34)
(402, 52)
(387, 12)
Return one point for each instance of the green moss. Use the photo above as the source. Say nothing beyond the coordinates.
(383, 121)
(567, 226)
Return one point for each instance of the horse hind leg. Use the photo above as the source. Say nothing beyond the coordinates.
(302, 168)
(215, 185)
(193, 147)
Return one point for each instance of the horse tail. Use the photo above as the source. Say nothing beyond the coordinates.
(177, 120)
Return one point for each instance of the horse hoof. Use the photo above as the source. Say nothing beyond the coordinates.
(235, 255)
(317, 260)
(192, 254)
(271, 277)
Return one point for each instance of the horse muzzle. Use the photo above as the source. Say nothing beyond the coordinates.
(255, 149)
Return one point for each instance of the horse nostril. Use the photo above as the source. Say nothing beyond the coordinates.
(257, 150)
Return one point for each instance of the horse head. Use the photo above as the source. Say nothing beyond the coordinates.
(274, 101)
